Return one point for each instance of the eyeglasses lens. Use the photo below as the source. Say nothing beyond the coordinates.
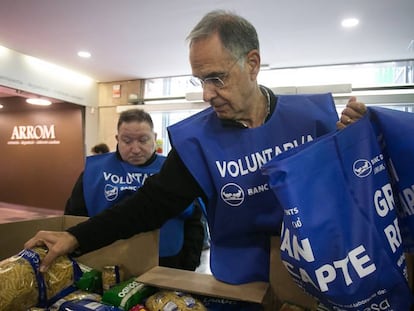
(215, 81)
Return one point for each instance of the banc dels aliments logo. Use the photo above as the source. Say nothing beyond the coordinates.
(362, 168)
(232, 194)
(111, 192)
(40, 134)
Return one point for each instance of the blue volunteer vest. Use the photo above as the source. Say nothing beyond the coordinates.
(226, 161)
(107, 180)
(395, 130)
(340, 239)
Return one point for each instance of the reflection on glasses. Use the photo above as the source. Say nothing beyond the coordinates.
(216, 81)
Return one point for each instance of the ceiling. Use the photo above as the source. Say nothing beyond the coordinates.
(135, 39)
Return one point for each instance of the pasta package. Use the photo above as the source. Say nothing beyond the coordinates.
(287, 306)
(223, 304)
(173, 301)
(23, 286)
(86, 305)
(75, 296)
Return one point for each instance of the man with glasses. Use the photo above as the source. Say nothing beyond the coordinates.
(217, 155)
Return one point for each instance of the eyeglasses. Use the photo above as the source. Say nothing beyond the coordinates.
(216, 81)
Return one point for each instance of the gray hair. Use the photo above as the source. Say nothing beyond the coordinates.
(237, 35)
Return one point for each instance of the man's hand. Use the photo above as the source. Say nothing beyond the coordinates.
(353, 111)
(58, 244)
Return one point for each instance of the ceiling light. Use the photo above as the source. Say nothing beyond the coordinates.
(38, 101)
(349, 22)
(1, 106)
(84, 54)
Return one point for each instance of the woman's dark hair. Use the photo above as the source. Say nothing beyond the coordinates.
(100, 148)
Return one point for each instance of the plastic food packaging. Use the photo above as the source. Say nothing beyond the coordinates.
(91, 280)
(173, 301)
(127, 294)
(287, 306)
(86, 305)
(22, 286)
(73, 297)
(222, 304)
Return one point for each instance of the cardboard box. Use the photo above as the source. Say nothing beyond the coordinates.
(139, 257)
(136, 255)
(283, 287)
(206, 285)
(271, 295)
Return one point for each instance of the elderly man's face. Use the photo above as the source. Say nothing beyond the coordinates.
(209, 59)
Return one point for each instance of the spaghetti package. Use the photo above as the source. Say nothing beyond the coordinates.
(395, 131)
(75, 296)
(222, 304)
(22, 285)
(173, 301)
(340, 239)
(86, 304)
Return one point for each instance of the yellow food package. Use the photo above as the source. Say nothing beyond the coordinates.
(173, 300)
(22, 286)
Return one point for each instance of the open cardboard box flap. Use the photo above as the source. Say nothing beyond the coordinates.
(204, 284)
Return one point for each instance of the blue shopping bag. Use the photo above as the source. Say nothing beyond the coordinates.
(395, 130)
(340, 239)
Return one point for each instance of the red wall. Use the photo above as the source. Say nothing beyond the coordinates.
(38, 168)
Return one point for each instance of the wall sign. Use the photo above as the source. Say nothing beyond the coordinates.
(39, 134)
(116, 91)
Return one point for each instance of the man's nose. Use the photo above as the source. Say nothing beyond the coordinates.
(136, 146)
(209, 92)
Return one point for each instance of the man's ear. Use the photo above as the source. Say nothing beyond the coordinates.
(253, 62)
(116, 137)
